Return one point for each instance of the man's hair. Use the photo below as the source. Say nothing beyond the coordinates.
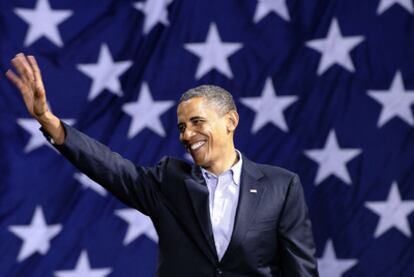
(215, 95)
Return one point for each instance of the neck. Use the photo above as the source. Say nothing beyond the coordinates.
(229, 158)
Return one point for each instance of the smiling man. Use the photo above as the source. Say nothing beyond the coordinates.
(207, 118)
(223, 216)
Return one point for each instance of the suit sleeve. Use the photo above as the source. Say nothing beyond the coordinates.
(297, 248)
(136, 186)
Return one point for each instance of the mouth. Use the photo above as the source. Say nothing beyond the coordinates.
(195, 146)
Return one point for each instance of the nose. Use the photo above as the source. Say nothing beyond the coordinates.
(186, 135)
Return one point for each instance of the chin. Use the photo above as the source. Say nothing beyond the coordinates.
(200, 162)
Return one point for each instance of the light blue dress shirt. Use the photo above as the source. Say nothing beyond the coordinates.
(223, 198)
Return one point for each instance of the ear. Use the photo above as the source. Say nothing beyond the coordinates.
(232, 121)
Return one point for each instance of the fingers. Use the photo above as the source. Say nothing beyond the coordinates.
(14, 79)
(37, 74)
(27, 97)
(23, 67)
(35, 68)
(29, 79)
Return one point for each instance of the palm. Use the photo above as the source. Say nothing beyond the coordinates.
(30, 84)
(35, 100)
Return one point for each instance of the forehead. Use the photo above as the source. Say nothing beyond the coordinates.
(197, 106)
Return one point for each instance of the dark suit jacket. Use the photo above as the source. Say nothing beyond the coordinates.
(272, 233)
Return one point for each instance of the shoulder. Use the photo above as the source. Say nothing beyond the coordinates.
(280, 183)
(271, 174)
(268, 169)
(271, 170)
(172, 165)
(173, 161)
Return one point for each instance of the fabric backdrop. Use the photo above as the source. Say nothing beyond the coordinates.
(324, 88)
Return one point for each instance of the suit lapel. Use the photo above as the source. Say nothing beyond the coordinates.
(199, 196)
(249, 197)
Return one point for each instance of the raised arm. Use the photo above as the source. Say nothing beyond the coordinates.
(134, 185)
(28, 81)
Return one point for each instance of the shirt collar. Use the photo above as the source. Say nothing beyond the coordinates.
(235, 170)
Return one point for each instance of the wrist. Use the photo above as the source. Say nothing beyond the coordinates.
(52, 125)
(49, 121)
(46, 117)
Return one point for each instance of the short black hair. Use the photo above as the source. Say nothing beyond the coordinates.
(219, 97)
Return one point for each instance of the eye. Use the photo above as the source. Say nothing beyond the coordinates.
(197, 121)
(181, 128)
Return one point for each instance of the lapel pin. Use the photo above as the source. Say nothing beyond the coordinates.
(253, 190)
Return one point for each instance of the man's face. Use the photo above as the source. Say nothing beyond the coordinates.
(204, 131)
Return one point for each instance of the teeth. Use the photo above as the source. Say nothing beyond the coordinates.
(197, 145)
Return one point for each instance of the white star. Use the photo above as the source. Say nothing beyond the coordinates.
(386, 4)
(330, 266)
(138, 224)
(105, 73)
(335, 48)
(269, 107)
(83, 269)
(43, 21)
(393, 212)
(146, 112)
(88, 183)
(264, 7)
(36, 137)
(36, 236)
(155, 11)
(395, 102)
(332, 159)
(213, 53)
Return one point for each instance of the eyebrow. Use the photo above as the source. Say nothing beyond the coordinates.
(196, 117)
(179, 124)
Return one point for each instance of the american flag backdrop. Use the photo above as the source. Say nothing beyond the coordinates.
(324, 88)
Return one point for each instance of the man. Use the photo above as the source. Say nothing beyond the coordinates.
(223, 216)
